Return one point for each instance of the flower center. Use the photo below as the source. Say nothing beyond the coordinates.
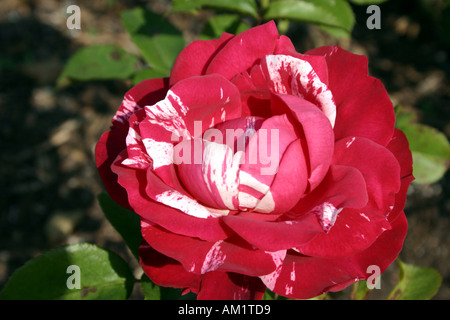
(233, 165)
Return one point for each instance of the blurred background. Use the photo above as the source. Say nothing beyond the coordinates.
(48, 179)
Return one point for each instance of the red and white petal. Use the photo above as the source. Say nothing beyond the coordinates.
(200, 257)
(304, 277)
(106, 150)
(195, 104)
(360, 99)
(262, 160)
(158, 191)
(353, 231)
(289, 184)
(113, 142)
(342, 187)
(172, 219)
(212, 179)
(295, 76)
(145, 92)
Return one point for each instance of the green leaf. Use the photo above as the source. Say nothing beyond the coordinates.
(102, 275)
(367, 2)
(99, 62)
(430, 148)
(158, 41)
(126, 222)
(219, 24)
(360, 290)
(151, 291)
(148, 73)
(329, 13)
(241, 6)
(415, 283)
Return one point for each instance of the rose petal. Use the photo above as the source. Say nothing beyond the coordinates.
(360, 99)
(113, 142)
(262, 159)
(135, 181)
(295, 76)
(342, 187)
(316, 132)
(230, 286)
(213, 179)
(275, 235)
(244, 50)
(195, 58)
(200, 257)
(304, 277)
(378, 165)
(145, 92)
(165, 271)
(400, 148)
(289, 183)
(195, 104)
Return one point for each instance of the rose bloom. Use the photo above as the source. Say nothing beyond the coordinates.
(254, 166)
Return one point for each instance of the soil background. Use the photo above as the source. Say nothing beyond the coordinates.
(48, 179)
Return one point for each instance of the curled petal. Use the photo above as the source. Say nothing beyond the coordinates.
(316, 132)
(399, 147)
(295, 76)
(113, 142)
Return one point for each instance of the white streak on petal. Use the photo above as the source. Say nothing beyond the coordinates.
(309, 80)
(129, 106)
(183, 203)
(249, 181)
(246, 200)
(288, 290)
(138, 162)
(132, 137)
(160, 152)
(220, 171)
(293, 275)
(327, 215)
(349, 142)
(267, 204)
(270, 280)
(164, 113)
(214, 258)
(364, 216)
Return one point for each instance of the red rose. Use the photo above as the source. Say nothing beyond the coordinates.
(256, 166)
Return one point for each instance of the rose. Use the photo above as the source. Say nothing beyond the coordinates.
(194, 155)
